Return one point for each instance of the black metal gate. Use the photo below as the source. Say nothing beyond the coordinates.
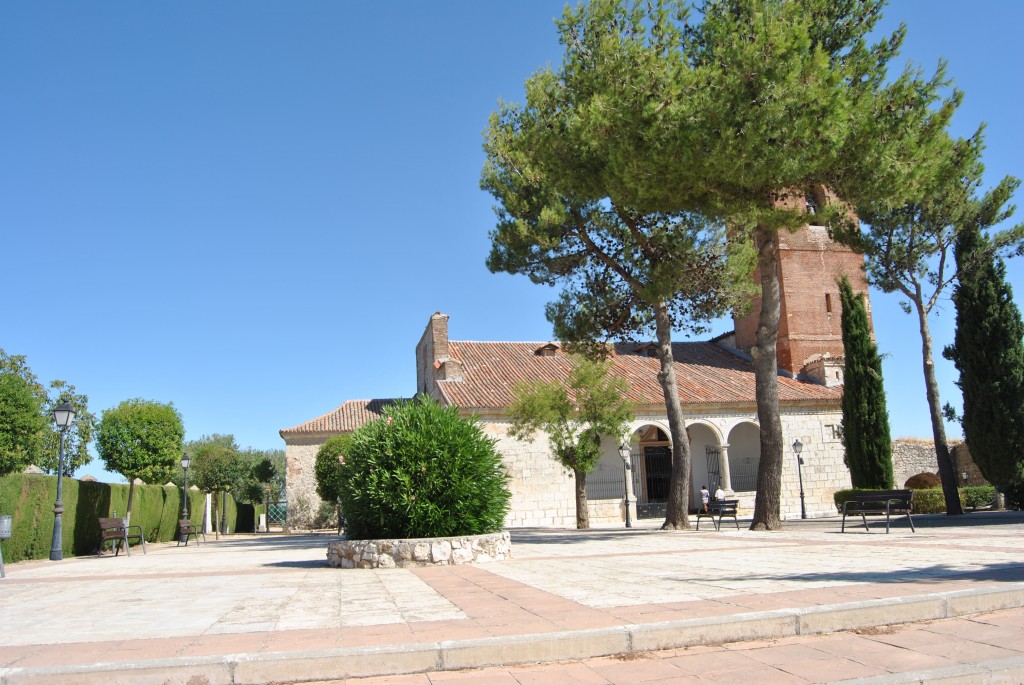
(657, 474)
(714, 458)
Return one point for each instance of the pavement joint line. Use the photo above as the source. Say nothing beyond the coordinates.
(984, 672)
(550, 647)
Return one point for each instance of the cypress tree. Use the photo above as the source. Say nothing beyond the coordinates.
(989, 354)
(865, 417)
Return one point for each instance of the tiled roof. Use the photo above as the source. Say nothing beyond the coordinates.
(705, 374)
(346, 418)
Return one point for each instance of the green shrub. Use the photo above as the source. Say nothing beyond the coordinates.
(1014, 496)
(929, 501)
(923, 481)
(29, 498)
(328, 467)
(977, 496)
(422, 471)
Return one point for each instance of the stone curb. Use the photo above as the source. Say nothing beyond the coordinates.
(341, 663)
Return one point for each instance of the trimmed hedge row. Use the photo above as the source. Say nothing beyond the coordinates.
(932, 501)
(29, 499)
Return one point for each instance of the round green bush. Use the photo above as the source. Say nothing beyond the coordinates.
(328, 467)
(422, 471)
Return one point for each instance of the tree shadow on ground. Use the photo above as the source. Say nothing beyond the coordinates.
(1006, 572)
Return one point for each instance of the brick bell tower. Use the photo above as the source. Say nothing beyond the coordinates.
(810, 341)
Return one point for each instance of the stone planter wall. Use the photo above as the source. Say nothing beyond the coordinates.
(470, 549)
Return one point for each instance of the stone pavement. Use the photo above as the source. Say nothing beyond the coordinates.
(602, 606)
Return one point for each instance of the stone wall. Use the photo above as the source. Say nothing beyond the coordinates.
(543, 493)
(911, 457)
(300, 460)
(468, 549)
(823, 469)
(542, 489)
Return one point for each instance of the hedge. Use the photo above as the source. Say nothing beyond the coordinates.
(932, 501)
(29, 499)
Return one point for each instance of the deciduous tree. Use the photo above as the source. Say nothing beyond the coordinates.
(574, 416)
(141, 439)
(909, 248)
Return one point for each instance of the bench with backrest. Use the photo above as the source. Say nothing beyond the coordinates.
(722, 508)
(117, 530)
(886, 502)
(185, 529)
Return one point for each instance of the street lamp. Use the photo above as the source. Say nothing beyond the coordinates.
(185, 461)
(63, 415)
(798, 447)
(627, 481)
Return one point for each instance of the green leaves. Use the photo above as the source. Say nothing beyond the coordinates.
(422, 471)
(868, 446)
(575, 415)
(37, 439)
(141, 439)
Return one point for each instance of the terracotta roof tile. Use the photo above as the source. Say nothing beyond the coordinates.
(705, 374)
(346, 418)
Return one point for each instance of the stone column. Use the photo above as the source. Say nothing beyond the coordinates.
(630, 499)
(723, 465)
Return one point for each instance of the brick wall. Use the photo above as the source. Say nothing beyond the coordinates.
(809, 263)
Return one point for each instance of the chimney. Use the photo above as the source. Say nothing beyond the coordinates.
(432, 348)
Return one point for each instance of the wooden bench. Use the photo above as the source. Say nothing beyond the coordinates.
(886, 502)
(117, 530)
(187, 528)
(723, 508)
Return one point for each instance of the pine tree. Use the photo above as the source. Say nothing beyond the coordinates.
(989, 354)
(865, 417)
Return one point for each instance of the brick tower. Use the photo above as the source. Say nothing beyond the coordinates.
(810, 341)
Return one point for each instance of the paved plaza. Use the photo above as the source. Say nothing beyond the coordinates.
(601, 606)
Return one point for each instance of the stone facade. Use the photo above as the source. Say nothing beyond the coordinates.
(300, 459)
(469, 549)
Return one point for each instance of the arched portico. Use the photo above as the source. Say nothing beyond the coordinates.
(705, 459)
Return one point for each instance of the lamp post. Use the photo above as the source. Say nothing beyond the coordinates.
(63, 415)
(627, 480)
(798, 447)
(185, 461)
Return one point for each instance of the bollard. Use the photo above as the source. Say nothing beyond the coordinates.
(5, 534)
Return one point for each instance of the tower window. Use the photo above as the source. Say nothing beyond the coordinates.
(828, 302)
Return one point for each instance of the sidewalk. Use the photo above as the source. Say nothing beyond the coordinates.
(267, 608)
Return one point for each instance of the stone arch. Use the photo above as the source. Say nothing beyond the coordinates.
(705, 448)
(744, 456)
(651, 460)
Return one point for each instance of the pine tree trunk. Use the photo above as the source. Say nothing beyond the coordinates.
(676, 514)
(946, 471)
(582, 513)
(765, 356)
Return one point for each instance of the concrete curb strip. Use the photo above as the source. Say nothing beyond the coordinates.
(327, 664)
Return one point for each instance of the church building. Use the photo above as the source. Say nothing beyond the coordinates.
(716, 388)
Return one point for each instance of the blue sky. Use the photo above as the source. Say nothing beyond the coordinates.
(251, 209)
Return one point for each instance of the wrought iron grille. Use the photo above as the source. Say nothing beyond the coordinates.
(743, 471)
(277, 513)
